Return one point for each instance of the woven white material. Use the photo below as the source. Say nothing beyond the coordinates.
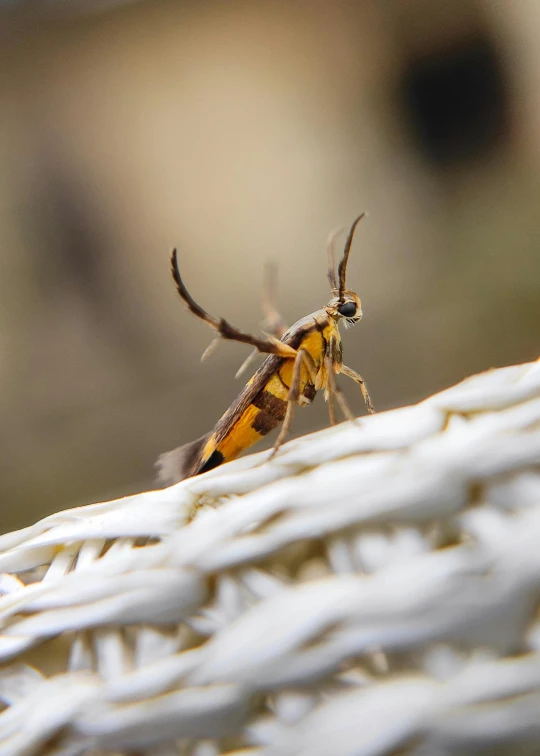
(372, 589)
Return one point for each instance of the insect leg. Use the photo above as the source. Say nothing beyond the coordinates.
(273, 322)
(303, 359)
(336, 391)
(331, 382)
(247, 362)
(360, 381)
(331, 410)
(268, 345)
(211, 348)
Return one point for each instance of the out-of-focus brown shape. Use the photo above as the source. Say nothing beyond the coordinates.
(241, 133)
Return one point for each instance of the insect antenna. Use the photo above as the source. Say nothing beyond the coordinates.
(342, 268)
(330, 250)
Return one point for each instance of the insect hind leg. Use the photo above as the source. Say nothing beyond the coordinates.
(273, 322)
(268, 345)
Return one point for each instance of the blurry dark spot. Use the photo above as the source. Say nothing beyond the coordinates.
(456, 101)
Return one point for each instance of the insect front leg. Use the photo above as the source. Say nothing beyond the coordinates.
(332, 386)
(302, 359)
(337, 392)
(331, 410)
(363, 388)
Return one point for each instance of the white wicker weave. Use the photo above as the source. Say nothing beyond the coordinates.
(373, 589)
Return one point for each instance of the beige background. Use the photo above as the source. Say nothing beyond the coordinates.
(242, 132)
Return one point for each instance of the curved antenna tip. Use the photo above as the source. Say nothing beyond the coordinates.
(342, 268)
(332, 236)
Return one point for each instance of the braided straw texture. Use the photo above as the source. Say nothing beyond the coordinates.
(374, 589)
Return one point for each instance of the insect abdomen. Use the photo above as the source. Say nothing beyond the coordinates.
(263, 414)
(271, 413)
(214, 460)
(231, 436)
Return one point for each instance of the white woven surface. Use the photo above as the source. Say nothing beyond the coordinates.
(373, 589)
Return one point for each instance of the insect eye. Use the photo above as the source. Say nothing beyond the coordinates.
(348, 309)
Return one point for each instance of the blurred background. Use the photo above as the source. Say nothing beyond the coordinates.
(243, 132)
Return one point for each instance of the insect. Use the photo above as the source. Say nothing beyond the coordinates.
(301, 361)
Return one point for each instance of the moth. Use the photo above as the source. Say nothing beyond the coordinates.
(302, 360)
